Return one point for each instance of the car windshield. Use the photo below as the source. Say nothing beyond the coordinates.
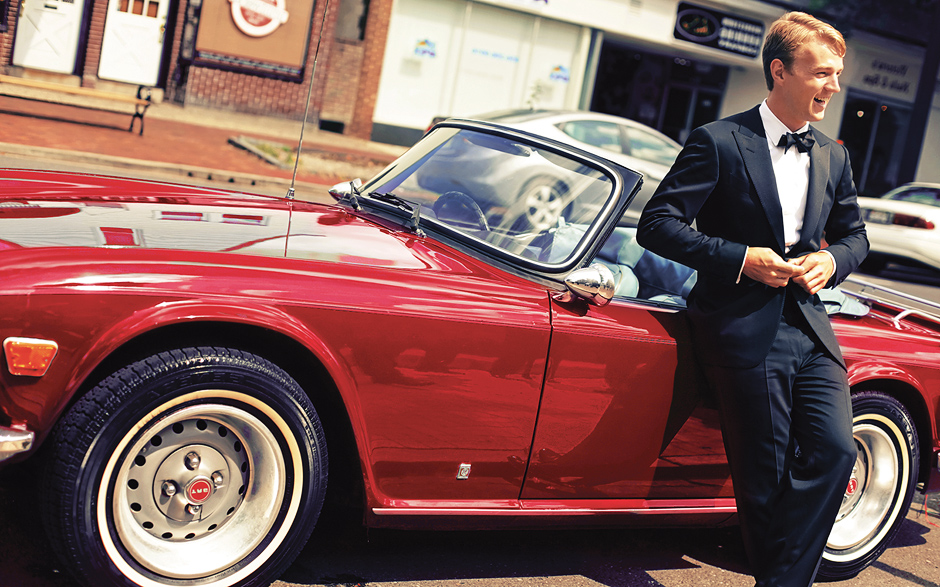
(918, 195)
(522, 199)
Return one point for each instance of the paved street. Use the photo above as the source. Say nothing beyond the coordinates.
(347, 556)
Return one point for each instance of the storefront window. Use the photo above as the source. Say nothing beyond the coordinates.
(671, 94)
(351, 23)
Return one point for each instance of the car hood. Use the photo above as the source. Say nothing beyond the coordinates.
(50, 210)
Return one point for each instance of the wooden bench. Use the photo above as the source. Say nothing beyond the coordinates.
(99, 100)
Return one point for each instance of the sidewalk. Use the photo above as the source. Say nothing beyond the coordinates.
(184, 142)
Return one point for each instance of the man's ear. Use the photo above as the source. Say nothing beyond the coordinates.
(776, 70)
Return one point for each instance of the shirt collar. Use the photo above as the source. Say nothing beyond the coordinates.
(773, 128)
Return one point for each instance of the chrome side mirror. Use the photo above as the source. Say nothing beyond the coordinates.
(594, 284)
(345, 189)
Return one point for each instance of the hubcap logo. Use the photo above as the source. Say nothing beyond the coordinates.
(199, 491)
(853, 487)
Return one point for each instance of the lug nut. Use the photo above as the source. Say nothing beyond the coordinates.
(169, 488)
(194, 509)
(217, 479)
(192, 461)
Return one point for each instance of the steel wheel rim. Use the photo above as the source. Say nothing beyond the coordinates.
(542, 206)
(255, 510)
(881, 470)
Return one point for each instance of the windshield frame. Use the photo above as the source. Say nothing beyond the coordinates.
(617, 200)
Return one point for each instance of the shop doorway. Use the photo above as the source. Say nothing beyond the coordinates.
(874, 131)
(671, 94)
(47, 35)
(132, 45)
(687, 108)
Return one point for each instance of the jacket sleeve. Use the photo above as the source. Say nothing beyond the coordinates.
(666, 224)
(845, 229)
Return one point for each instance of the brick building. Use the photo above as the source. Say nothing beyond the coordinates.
(254, 56)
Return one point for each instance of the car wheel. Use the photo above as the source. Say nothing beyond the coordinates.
(881, 487)
(201, 466)
(543, 201)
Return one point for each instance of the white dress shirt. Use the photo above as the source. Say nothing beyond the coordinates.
(791, 173)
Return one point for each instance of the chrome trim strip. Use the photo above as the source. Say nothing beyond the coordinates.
(548, 511)
(892, 292)
(13, 442)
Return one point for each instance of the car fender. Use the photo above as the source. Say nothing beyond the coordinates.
(148, 320)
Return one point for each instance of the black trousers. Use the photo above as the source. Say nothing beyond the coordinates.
(787, 428)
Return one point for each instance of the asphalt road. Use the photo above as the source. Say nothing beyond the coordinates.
(349, 556)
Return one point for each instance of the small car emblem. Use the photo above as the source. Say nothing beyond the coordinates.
(463, 472)
(199, 491)
(852, 488)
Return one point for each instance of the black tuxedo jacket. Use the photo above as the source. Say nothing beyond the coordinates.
(723, 180)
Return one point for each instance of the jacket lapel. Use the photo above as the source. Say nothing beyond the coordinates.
(756, 157)
(818, 178)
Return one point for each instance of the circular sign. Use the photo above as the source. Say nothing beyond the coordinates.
(697, 25)
(199, 491)
(258, 18)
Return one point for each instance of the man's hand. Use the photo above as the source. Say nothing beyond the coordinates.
(766, 266)
(819, 269)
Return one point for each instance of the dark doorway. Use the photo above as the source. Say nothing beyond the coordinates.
(873, 130)
(671, 94)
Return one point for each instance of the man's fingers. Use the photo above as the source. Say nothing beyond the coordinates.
(791, 269)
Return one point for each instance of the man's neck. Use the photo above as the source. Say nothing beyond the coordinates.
(780, 112)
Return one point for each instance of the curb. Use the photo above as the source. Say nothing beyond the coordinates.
(179, 173)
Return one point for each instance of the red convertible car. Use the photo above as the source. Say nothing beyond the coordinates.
(205, 371)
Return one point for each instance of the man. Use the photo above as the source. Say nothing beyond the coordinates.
(763, 204)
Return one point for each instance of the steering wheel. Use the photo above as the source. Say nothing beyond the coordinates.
(458, 207)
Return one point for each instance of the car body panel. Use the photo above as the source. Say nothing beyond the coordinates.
(609, 422)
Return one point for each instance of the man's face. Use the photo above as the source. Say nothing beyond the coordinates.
(802, 93)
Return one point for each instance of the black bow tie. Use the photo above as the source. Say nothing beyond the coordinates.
(802, 141)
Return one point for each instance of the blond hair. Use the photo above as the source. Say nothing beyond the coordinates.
(789, 32)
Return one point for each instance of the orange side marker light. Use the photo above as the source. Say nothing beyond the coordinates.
(29, 357)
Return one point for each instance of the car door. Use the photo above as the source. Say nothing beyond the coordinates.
(625, 413)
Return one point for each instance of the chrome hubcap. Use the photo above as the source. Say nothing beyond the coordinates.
(188, 501)
(871, 495)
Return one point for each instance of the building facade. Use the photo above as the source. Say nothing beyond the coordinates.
(254, 56)
(671, 64)
(386, 68)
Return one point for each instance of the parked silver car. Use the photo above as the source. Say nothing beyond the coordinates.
(624, 141)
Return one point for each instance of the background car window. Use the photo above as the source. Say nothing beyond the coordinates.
(928, 196)
(605, 135)
(649, 147)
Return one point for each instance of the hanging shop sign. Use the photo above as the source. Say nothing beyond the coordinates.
(258, 18)
(719, 30)
(268, 37)
(885, 74)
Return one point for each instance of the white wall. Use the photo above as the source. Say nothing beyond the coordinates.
(458, 58)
